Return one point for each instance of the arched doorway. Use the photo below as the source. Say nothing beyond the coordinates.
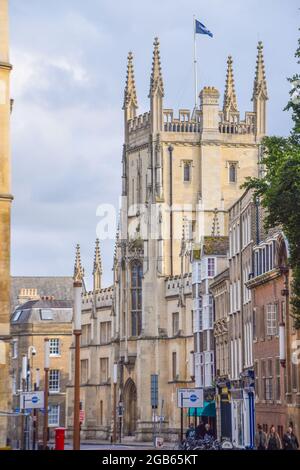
(130, 408)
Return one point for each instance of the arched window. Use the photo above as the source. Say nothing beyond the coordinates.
(136, 299)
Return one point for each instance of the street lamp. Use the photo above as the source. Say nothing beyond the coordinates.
(77, 291)
(46, 391)
(24, 381)
(35, 411)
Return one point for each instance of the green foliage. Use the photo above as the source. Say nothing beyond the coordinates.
(278, 189)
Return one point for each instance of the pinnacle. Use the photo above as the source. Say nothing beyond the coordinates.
(78, 270)
(260, 83)
(156, 81)
(230, 101)
(130, 95)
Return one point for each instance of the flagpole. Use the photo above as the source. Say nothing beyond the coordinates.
(195, 64)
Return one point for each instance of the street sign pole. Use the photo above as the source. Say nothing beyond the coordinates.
(181, 418)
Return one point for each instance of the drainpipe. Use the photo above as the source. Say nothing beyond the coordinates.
(170, 149)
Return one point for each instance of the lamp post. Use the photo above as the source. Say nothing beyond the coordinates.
(35, 411)
(115, 403)
(46, 391)
(24, 381)
(77, 291)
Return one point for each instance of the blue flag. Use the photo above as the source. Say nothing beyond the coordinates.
(201, 29)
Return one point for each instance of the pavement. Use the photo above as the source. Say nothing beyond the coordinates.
(125, 445)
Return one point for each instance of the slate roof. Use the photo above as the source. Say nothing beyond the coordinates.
(58, 287)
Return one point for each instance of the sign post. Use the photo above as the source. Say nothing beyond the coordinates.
(188, 398)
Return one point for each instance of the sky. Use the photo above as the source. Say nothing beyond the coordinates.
(69, 59)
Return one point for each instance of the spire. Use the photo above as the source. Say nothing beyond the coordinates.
(97, 271)
(130, 96)
(260, 83)
(156, 81)
(230, 101)
(78, 270)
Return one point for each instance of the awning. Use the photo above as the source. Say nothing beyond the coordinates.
(209, 409)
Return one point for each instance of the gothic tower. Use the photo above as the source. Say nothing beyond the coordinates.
(260, 93)
(5, 207)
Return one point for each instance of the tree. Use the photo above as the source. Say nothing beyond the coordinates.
(278, 189)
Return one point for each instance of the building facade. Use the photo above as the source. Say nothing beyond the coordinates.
(34, 318)
(5, 208)
(180, 176)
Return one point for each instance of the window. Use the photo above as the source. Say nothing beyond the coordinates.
(187, 172)
(54, 380)
(136, 299)
(210, 311)
(85, 334)
(54, 347)
(294, 375)
(53, 416)
(17, 315)
(263, 378)
(272, 320)
(232, 173)
(175, 323)
(104, 369)
(15, 349)
(269, 381)
(256, 378)
(105, 332)
(46, 314)
(101, 413)
(278, 386)
(174, 366)
(211, 267)
(84, 371)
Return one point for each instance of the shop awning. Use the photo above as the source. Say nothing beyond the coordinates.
(209, 409)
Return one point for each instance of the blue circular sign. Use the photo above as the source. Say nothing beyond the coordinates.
(193, 398)
(34, 399)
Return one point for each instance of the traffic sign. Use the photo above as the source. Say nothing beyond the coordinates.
(190, 398)
(29, 400)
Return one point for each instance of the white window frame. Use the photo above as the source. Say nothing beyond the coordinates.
(52, 348)
(51, 415)
(272, 319)
(54, 379)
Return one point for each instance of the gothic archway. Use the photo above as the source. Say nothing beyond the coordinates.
(130, 408)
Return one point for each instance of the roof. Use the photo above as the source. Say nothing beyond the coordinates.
(61, 311)
(58, 287)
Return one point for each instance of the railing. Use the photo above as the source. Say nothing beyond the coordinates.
(184, 126)
(236, 128)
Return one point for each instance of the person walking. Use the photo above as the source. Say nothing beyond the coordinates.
(290, 441)
(260, 438)
(273, 439)
(200, 430)
(190, 433)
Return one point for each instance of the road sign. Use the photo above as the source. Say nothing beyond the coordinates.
(29, 400)
(190, 398)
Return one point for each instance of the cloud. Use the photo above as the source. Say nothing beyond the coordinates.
(69, 71)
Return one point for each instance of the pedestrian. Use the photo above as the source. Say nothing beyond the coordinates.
(290, 441)
(260, 438)
(208, 431)
(190, 433)
(273, 439)
(200, 430)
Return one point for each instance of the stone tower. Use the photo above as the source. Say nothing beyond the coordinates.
(5, 207)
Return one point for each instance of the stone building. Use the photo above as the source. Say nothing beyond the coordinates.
(242, 235)
(5, 208)
(219, 289)
(31, 323)
(275, 347)
(194, 165)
